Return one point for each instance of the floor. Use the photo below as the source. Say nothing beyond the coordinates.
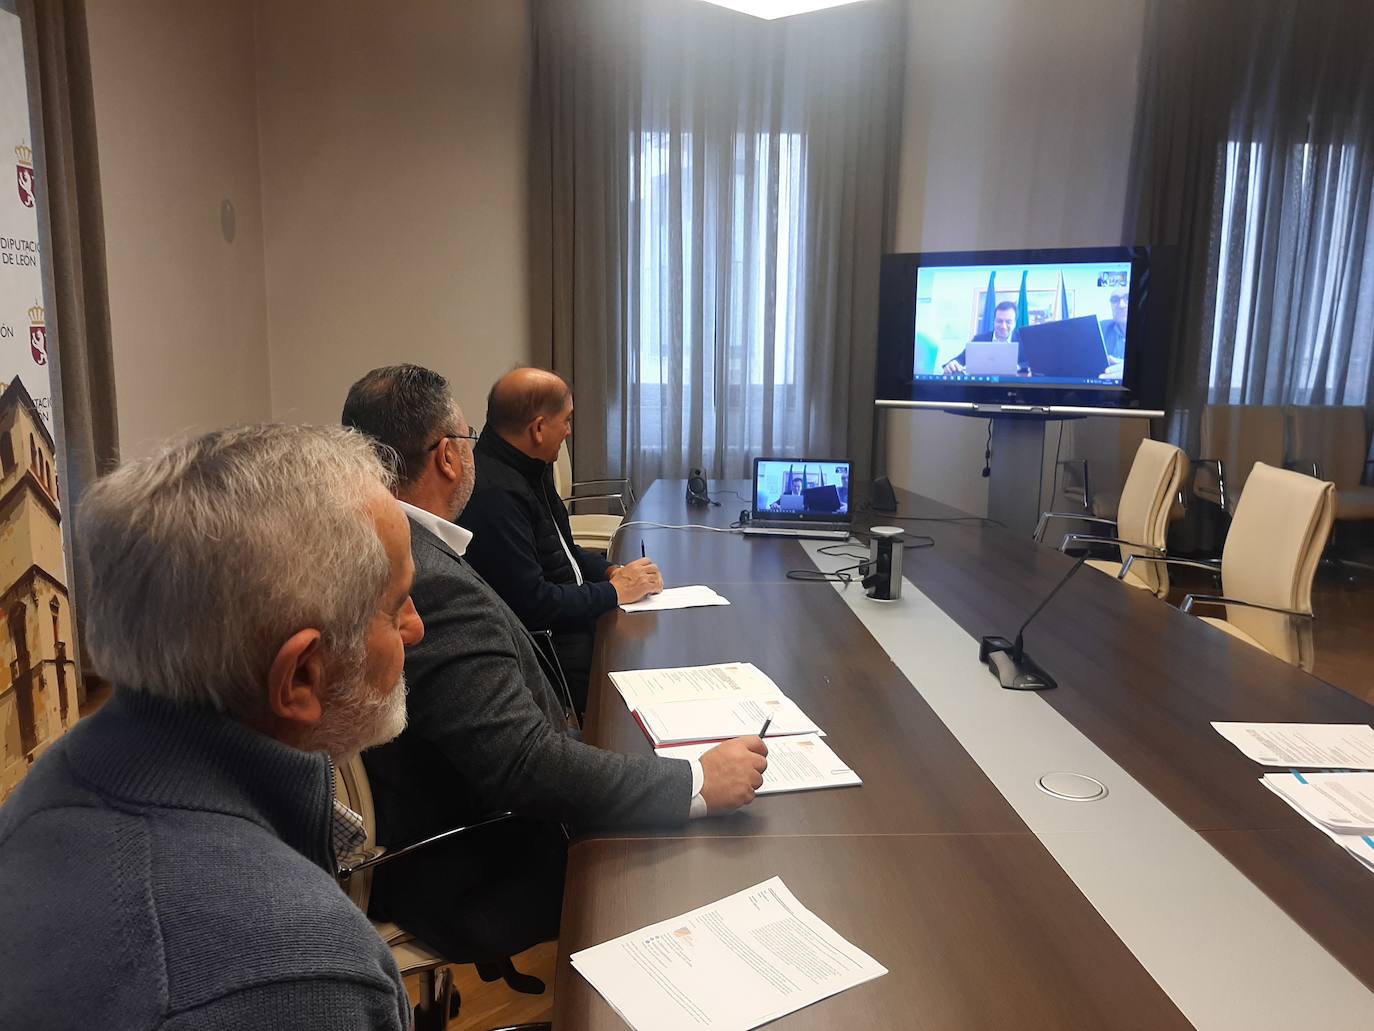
(486, 1006)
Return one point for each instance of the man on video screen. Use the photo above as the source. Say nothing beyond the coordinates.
(1003, 330)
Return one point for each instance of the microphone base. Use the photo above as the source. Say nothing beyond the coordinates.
(1012, 674)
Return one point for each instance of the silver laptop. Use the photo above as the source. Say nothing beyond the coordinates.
(801, 497)
(991, 357)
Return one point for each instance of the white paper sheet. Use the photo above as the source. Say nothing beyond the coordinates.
(686, 683)
(802, 763)
(677, 598)
(1343, 746)
(1343, 802)
(750, 958)
(1361, 846)
(717, 719)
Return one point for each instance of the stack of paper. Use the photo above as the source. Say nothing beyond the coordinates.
(1341, 804)
(718, 719)
(746, 960)
(697, 707)
(802, 763)
(677, 598)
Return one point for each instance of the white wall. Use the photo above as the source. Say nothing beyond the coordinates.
(394, 142)
(376, 156)
(177, 125)
(1016, 133)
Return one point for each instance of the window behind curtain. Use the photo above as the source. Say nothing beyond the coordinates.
(1291, 294)
(719, 289)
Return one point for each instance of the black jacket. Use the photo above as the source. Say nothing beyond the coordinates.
(515, 516)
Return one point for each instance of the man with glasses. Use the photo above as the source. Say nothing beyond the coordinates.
(1114, 333)
(487, 731)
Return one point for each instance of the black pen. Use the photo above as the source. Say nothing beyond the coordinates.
(765, 726)
(642, 552)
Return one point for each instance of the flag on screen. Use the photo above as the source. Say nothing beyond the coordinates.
(989, 305)
(1063, 297)
(1022, 308)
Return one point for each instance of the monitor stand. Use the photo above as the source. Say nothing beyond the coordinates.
(1018, 456)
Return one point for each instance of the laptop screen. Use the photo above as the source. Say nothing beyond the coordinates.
(801, 489)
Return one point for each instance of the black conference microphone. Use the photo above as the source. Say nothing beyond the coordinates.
(1008, 661)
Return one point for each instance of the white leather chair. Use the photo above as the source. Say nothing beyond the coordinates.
(590, 530)
(355, 878)
(1277, 534)
(1142, 517)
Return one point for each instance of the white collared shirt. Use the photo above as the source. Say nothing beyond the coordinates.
(458, 538)
(451, 534)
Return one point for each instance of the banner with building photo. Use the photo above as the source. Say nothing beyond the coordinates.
(38, 682)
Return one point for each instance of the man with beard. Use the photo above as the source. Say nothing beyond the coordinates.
(169, 862)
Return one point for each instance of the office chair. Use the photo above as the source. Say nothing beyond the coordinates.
(1331, 442)
(1234, 438)
(1142, 517)
(1277, 534)
(439, 1000)
(590, 530)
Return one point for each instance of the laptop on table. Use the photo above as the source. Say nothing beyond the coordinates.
(801, 497)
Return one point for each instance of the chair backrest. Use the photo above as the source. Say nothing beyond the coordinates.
(1146, 499)
(1108, 446)
(352, 789)
(562, 473)
(1239, 435)
(1335, 436)
(1272, 550)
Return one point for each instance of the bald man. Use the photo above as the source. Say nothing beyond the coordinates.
(522, 543)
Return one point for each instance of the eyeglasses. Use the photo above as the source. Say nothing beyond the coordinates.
(1120, 298)
(469, 436)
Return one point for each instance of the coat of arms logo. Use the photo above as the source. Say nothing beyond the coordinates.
(38, 335)
(23, 172)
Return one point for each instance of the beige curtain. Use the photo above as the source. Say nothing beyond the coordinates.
(711, 198)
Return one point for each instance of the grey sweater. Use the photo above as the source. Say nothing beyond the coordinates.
(170, 868)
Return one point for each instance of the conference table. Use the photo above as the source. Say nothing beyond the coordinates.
(1189, 896)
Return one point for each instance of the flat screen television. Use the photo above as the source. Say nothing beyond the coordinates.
(1065, 330)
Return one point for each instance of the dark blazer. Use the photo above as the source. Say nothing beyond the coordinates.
(486, 733)
(516, 516)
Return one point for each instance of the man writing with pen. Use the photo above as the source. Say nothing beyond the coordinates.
(522, 541)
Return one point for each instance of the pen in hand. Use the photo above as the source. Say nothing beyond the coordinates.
(765, 726)
(642, 552)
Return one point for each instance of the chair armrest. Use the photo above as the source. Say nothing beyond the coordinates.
(377, 855)
(1211, 567)
(629, 487)
(1090, 540)
(617, 498)
(1045, 517)
(1215, 599)
(1310, 466)
(544, 640)
(1221, 476)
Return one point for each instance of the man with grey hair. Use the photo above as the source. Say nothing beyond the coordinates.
(487, 731)
(169, 862)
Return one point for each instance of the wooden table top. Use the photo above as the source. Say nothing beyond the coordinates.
(926, 866)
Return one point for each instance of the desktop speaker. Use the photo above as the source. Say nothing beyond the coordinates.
(696, 488)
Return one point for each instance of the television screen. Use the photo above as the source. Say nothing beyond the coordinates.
(1050, 327)
(1053, 323)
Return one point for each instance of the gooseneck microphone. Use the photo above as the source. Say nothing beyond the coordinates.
(1008, 661)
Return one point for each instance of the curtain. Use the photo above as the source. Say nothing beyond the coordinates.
(1253, 158)
(711, 196)
(72, 226)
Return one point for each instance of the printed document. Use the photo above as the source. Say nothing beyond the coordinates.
(802, 763)
(1343, 802)
(677, 598)
(1361, 846)
(688, 683)
(1342, 746)
(731, 966)
(716, 719)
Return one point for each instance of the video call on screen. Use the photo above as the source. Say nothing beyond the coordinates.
(803, 488)
(1069, 325)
